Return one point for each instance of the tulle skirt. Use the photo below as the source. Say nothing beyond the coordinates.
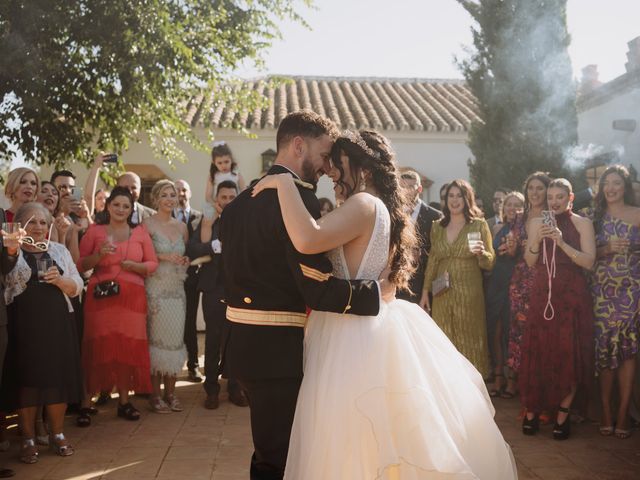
(389, 397)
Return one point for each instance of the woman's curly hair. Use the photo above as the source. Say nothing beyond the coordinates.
(370, 152)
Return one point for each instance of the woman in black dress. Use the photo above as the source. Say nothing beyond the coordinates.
(42, 366)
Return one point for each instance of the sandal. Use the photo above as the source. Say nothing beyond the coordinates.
(507, 394)
(128, 412)
(621, 433)
(29, 451)
(496, 392)
(173, 403)
(60, 445)
(84, 417)
(158, 405)
(606, 431)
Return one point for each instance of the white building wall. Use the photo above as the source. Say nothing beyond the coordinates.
(595, 126)
(441, 157)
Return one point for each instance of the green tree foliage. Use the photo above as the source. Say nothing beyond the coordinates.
(78, 76)
(520, 72)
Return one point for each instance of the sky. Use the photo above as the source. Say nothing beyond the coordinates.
(421, 38)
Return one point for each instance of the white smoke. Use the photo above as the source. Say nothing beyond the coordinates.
(578, 157)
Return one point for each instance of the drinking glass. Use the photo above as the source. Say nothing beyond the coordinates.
(473, 238)
(43, 265)
(11, 229)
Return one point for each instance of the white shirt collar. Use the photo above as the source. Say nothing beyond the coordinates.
(416, 211)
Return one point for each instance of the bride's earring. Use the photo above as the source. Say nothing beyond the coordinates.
(363, 182)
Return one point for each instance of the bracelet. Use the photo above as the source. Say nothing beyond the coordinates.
(575, 255)
(534, 253)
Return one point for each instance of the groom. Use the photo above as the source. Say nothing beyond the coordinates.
(269, 285)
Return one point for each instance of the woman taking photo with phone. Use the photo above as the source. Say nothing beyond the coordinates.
(115, 351)
(557, 345)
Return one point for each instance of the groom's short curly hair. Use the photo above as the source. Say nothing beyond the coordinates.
(304, 123)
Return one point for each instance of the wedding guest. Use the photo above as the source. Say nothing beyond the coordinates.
(72, 211)
(498, 201)
(423, 217)
(223, 167)
(8, 257)
(191, 218)
(535, 191)
(130, 181)
(115, 351)
(326, 206)
(166, 298)
(459, 309)
(204, 242)
(99, 201)
(615, 286)
(49, 197)
(557, 345)
(43, 365)
(21, 187)
(497, 296)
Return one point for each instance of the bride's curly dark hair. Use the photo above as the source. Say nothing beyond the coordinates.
(370, 152)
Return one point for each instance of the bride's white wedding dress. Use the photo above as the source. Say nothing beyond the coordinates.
(389, 397)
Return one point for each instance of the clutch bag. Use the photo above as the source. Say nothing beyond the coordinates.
(441, 284)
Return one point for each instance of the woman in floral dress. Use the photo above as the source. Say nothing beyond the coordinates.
(535, 191)
(616, 293)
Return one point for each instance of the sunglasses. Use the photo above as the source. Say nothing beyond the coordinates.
(42, 246)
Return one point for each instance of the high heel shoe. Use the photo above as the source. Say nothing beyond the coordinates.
(562, 432)
(59, 444)
(530, 427)
(29, 451)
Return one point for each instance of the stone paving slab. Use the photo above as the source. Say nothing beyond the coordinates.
(216, 445)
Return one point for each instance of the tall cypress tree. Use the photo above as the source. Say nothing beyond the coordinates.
(520, 72)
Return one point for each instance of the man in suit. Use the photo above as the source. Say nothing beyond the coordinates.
(269, 285)
(191, 217)
(498, 201)
(206, 241)
(8, 258)
(423, 216)
(131, 181)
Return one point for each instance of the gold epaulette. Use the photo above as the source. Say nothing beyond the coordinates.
(303, 184)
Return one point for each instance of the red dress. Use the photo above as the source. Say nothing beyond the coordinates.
(557, 353)
(115, 351)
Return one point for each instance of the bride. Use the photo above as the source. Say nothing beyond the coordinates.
(386, 397)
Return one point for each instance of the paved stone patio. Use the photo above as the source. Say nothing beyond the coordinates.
(216, 445)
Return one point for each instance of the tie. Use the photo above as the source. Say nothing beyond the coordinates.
(183, 216)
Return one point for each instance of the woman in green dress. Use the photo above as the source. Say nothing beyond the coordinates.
(460, 248)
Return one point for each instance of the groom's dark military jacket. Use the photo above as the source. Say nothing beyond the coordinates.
(269, 285)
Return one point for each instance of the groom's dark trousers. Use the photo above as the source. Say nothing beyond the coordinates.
(268, 286)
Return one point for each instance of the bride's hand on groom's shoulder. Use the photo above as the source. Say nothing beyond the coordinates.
(267, 182)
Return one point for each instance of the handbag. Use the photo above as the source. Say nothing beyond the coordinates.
(108, 288)
(441, 284)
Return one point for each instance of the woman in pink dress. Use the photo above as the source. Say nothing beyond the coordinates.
(115, 351)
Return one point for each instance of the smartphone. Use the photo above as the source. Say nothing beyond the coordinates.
(110, 158)
(76, 194)
(548, 218)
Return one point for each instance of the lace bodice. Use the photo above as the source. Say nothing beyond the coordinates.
(375, 256)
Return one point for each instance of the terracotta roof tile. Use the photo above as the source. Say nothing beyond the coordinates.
(380, 103)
